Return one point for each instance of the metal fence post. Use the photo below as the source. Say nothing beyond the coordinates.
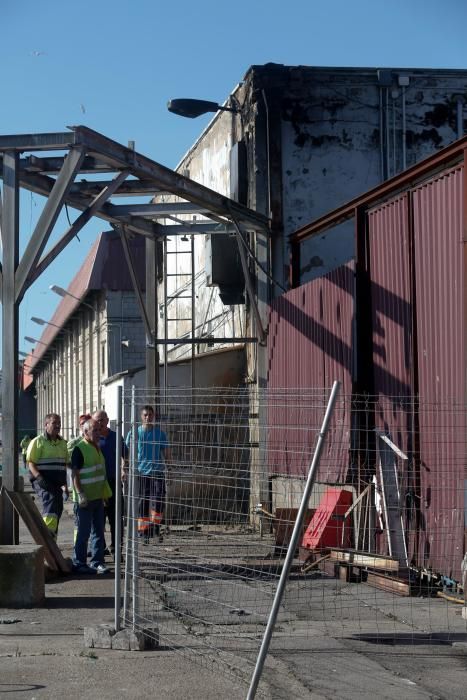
(118, 512)
(292, 546)
(134, 495)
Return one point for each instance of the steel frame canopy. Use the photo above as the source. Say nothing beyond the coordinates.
(28, 161)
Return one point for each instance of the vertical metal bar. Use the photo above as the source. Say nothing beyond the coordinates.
(292, 545)
(166, 330)
(128, 525)
(134, 496)
(10, 243)
(193, 321)
(118, 512)
(152, 360)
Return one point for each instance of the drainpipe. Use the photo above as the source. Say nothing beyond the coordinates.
(404, 132)
(460, 117)
(404, 82)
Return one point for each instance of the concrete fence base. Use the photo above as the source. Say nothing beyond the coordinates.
(21, 576)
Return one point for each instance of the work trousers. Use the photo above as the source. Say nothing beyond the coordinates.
(51, 500)
(109, 510)
(89, 524)
(151, 501)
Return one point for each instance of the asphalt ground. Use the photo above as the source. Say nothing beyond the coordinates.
(332, 640)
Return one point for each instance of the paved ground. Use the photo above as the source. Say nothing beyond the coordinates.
(333, 640)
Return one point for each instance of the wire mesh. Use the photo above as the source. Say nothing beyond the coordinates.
(381, 557)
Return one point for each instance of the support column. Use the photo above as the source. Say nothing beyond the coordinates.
(10, 242)
(152, 354)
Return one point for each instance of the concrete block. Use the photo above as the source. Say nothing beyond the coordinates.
(464, 612)
(128, 640)
(99, 636)
(21, 576)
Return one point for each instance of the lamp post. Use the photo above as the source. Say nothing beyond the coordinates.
(34, 340)
(43, 322)
(65, 293)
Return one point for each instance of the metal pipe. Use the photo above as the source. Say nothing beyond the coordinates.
(404, 131)
(118, 513)
(129, 520)
(386, 124)
(166, 327)
(460, 117)
(293, 544)
(193, 318)
(381, 137)
(134, 544)
(394, 157)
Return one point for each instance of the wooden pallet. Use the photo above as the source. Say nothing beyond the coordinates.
(27, 510)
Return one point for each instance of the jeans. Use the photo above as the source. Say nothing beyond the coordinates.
(89, 521)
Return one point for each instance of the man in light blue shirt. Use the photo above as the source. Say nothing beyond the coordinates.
(153, 453)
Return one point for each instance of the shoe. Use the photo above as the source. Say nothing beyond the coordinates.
(101, 569)
(107, 552)
(84, 569)
(161, 538)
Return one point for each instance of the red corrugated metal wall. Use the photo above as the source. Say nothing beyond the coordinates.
(438, 215)
(310, 346)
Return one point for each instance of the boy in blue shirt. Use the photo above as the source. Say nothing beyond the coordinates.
(153, 453)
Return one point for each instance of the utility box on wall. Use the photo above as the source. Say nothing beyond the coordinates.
(224, 268)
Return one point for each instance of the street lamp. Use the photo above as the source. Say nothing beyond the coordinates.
(33, 340)
(65, 293)
(43, 322)
(195, 108)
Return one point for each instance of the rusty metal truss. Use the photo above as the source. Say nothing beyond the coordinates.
(84, 169)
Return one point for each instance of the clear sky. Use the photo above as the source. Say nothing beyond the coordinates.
(113, 64)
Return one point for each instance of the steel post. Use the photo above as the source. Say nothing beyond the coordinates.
(118, 512)
(10, 243)
(292, 545)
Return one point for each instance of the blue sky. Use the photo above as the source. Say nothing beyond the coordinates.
(112, 65)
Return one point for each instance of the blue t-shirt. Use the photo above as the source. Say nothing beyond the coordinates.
(150, 443)
(108, 447)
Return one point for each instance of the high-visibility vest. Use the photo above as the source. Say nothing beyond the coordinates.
(92, 474)
(50, 458)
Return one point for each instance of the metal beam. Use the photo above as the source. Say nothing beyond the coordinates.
(249, 285)
(162, 210)
(76, 226)
(55, 141)
(196, 341)
(134, 279)
(165, 178)
(48, 218)
(10, 244)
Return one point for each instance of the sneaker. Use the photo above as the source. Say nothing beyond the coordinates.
(101, 569)
(84, 569)
(107, 552)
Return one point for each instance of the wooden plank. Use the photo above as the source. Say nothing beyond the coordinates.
(373, 561)
(389, 583)
(26, 508)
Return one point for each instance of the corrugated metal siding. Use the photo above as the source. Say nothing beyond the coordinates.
(310, 346)
(391, 313)
(439, 264)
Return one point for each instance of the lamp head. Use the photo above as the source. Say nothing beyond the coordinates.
(58, 290)
(195, 108)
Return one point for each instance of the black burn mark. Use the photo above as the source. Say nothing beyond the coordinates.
(415, 138)
(442, 114)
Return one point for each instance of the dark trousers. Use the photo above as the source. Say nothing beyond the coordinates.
(110, 509)
(151, 502)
